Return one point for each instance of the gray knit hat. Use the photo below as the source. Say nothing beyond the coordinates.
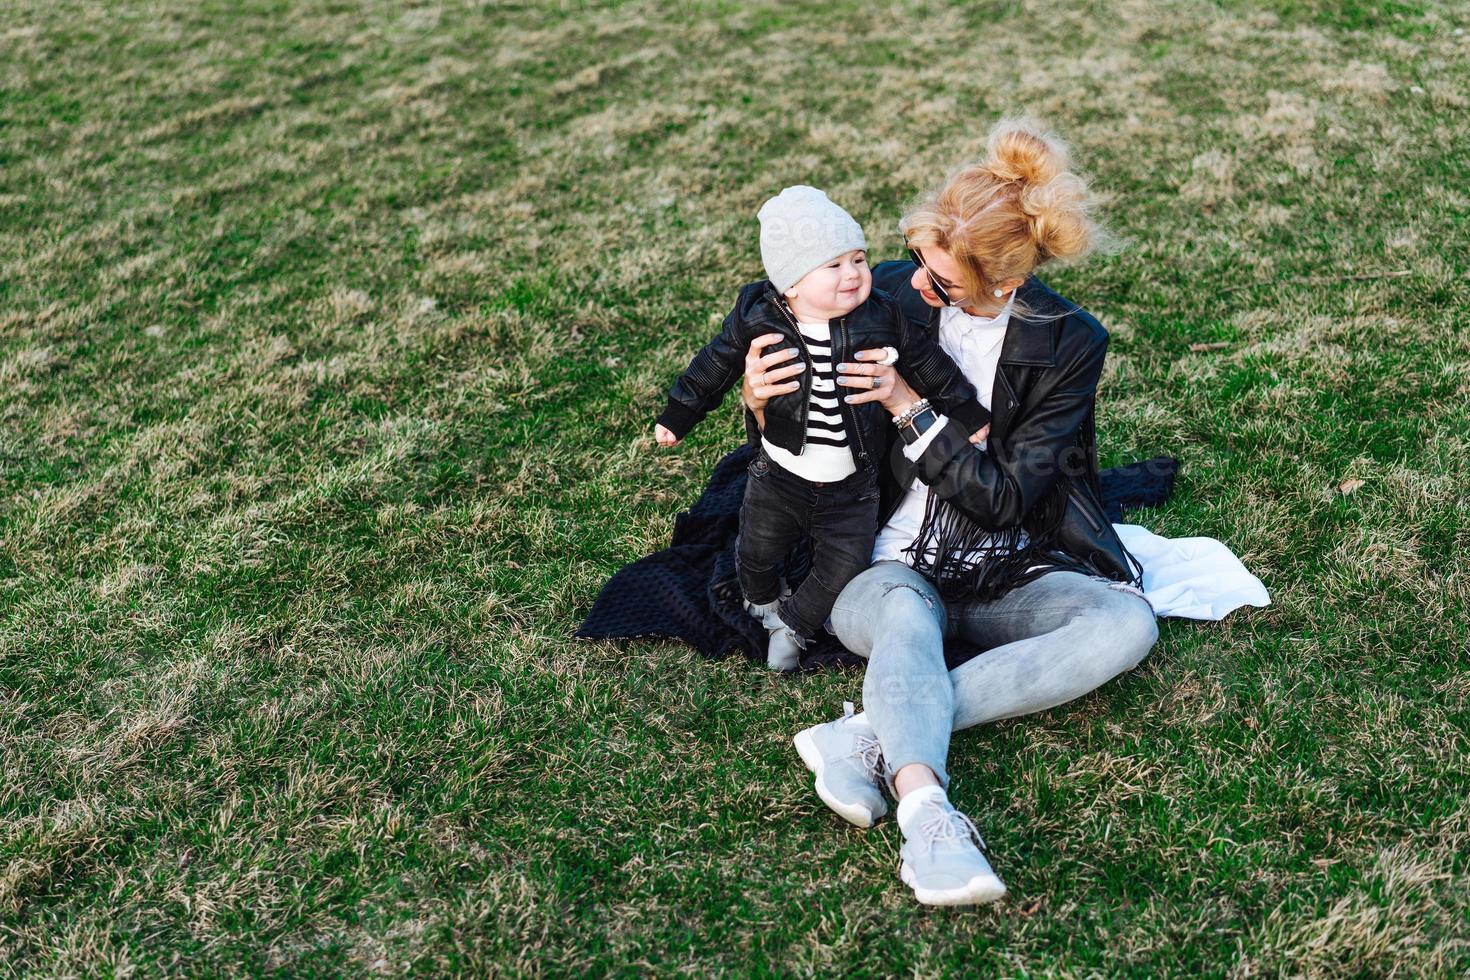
(800, 229)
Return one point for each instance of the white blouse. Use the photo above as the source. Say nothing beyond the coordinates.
(974, 343)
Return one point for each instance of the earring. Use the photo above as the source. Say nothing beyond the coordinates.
(999, 293)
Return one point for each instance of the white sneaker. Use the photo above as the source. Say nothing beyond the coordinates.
(942, 862)
(847, 760)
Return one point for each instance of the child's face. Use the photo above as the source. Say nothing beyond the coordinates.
(833, 289)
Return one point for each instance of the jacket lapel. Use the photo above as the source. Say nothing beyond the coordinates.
(1030, 342)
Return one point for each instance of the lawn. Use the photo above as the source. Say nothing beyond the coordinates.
(331, 338)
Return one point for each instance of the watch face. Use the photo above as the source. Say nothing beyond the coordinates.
(918, 426)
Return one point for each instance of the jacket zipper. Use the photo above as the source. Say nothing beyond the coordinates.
(1129, 560)
(857, 430)
(806, 402)
(1077, 498)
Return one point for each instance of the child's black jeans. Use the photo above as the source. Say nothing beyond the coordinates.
(779, 509)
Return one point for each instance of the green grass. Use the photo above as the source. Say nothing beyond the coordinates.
(333, 334)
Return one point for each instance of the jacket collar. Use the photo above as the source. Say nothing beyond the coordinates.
(1031, 338)
(776, 308)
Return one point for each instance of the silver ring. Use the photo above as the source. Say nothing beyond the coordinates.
(877, 381)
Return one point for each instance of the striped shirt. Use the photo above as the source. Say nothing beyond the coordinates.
(827, 456)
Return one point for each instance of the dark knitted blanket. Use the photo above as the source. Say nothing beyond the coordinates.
(689, 590)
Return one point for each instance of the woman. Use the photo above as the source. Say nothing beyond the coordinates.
(1004, 544)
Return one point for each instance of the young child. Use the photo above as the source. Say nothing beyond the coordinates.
(815, 473)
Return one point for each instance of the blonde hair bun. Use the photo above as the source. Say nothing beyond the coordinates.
(1056, 200)
(1019, 151)
(1002, 217)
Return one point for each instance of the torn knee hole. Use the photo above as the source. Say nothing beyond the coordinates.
(1129, 589)
(928, 599)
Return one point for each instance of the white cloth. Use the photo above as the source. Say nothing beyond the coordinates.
(974, 343)
(826, 457)
(1193, 578)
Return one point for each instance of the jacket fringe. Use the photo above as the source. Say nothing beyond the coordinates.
(965, 561)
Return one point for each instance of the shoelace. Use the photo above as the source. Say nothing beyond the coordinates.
(869, 755)
(866, 750)
(945, 823)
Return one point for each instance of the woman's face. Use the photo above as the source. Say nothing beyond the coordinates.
(937, 262)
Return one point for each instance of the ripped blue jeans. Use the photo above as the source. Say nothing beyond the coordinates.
(1046, 642)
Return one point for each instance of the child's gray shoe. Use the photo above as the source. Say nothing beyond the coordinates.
(942, 862)
(783, 651)
(765, 613)
(847, 761)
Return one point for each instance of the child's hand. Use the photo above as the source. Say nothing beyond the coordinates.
(980, 434)
(667, 439)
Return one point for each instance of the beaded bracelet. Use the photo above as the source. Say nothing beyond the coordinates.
(912, 411)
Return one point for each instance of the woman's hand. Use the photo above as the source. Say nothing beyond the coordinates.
(892, 390)
(664, 437)
(763, 380)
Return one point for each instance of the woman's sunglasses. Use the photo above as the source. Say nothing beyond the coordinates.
(934, 281)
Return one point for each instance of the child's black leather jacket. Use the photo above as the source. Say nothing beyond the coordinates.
(878, 322)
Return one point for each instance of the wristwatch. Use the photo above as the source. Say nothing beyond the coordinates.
(918, 425)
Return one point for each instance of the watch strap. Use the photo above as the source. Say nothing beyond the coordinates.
(917, 426)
